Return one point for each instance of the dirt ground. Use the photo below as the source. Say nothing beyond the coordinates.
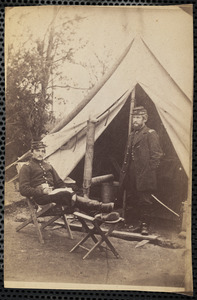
(28, 261)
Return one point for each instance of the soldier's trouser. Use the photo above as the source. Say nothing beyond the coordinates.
(61, 198)
(65, 199)
(141, 202)
(145, 207)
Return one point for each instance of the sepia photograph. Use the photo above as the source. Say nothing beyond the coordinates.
(98, 159)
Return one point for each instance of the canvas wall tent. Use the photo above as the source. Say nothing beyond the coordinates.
(139, 69)
(140, 66)
(158, 64)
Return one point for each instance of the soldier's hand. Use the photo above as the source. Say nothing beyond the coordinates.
(47, 190)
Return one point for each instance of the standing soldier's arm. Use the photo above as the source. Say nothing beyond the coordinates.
(155, 149)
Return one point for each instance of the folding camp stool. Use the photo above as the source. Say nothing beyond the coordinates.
(96, 229)
(45, 212)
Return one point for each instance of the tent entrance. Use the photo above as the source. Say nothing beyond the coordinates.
(172, 179)
(109, 148)
(109, 155)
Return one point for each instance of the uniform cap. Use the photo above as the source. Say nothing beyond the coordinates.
(37, 145)
(140, 110)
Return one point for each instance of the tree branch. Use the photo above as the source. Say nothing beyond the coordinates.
(66, 86)
(60, 59)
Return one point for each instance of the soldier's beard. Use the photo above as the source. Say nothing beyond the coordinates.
(137, 127)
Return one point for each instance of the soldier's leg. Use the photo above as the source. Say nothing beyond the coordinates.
(145, 211)
(61, 198)
(132, 197)
(73, 201)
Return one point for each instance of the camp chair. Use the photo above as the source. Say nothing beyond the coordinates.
(53, 210)
(47, 210)
(95, 229)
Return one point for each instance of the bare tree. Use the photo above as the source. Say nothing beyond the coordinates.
(33, 71)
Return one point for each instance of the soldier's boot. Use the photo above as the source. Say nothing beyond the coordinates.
(135, 229)
(92, 206)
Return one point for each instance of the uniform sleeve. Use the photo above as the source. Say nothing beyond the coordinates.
(58, 182)
(25, 184)
(155, 149)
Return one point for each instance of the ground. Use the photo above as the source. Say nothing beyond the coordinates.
(26, 260)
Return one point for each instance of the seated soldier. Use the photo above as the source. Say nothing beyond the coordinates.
(38, 179)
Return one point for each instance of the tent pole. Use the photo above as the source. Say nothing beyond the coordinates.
(90, 137)
(132, 104)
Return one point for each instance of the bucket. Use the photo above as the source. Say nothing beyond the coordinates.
(107, 192)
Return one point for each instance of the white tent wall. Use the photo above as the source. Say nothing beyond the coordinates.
(139, 66)
(174, 107)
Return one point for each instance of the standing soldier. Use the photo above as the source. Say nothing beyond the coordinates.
(138, 173)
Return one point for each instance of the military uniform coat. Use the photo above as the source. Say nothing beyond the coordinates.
(144, 149)
(33, 174)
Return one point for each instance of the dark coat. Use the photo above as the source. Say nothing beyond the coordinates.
(35, 173)
(146, 151)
